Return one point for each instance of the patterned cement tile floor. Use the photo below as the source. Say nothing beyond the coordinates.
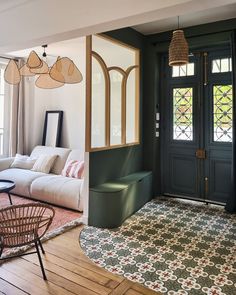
(172, 246)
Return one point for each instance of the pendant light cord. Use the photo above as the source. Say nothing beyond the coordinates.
(178, 21)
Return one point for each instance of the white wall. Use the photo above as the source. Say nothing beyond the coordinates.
(69, 98)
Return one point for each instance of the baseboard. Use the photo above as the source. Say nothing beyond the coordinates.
(194, 199)
(85, 219)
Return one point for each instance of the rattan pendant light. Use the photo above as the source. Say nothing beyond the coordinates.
(63, 71)
(178, 49)
(12, 74)
(45, 81)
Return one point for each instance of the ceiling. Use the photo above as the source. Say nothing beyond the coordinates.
(30, 23)
(10, 4)
(187, 20)
(69, 48)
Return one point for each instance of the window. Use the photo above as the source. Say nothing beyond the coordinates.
(112, 94)
(3, 106)
(222, 113)
(222, 65)
(183, 71)
(183, 114)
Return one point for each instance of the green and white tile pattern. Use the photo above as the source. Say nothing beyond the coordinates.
(172, 246)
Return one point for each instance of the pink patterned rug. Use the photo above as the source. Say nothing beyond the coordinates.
(64, 219)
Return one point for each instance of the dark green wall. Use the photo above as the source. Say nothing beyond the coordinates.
(115, 163)
(155, 45)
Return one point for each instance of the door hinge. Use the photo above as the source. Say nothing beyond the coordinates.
(201, 154)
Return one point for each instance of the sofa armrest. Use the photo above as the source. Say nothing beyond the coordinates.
(5, 163)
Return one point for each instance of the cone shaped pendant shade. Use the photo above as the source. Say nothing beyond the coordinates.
(42, 70)
(178, 49)
(64, 70)
(46, 82)
(25, 71)
(12, 73)
(34, 61)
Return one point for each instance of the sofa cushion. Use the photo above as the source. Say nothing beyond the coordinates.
(62, 155)
(44, 163)
(22, 178)
(23, 162)
(58, 190)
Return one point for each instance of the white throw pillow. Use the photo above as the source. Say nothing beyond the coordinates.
(23, 162)
(44, 163)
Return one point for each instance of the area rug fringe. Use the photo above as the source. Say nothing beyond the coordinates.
(48, 236)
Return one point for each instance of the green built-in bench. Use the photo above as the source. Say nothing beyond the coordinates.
(112, 202)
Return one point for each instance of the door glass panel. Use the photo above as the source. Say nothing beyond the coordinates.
(222, 65)
(183, 114)
(222, 113)
(183, 71)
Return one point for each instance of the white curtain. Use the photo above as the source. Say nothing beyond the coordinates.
(17, 117)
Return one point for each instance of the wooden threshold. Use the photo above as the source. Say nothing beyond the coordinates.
(68, 271)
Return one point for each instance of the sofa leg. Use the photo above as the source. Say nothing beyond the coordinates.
(40, 261)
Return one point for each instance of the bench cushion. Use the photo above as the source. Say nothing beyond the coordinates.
(120, 183)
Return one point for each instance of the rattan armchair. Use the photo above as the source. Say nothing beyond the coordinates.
(22, 225)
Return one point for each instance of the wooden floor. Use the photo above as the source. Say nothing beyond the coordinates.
(68, 271)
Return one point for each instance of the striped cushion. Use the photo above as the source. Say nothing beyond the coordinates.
(74, 169)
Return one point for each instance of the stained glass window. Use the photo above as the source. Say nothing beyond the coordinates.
(183, 113)
(222, 113)
(183, 71)
(222, 65)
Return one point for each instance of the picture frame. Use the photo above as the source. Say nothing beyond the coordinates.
(52, 128)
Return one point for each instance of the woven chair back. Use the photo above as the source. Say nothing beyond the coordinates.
(23, 224)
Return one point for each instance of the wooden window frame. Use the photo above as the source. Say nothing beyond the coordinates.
(89, 54)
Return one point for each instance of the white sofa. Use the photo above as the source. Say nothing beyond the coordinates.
(52, 188)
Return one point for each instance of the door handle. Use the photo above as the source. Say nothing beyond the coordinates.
(206, 186)
(201, 154)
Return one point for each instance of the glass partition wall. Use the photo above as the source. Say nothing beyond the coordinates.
(112, 93)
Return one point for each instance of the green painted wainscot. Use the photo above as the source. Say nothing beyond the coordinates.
(112, 202)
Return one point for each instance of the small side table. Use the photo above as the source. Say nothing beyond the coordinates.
(6, 186)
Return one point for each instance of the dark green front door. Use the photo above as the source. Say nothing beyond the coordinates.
(196, 134)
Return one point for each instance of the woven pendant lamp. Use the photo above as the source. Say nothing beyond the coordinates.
(65, 71)
(12, 73)
(44, 81)
(178, 49)
(25, 71)
(61, 72)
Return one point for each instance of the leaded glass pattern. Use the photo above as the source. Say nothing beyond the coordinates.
(183, 114)
(222, 113)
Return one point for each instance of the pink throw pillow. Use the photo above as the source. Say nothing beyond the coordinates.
(73, 169)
